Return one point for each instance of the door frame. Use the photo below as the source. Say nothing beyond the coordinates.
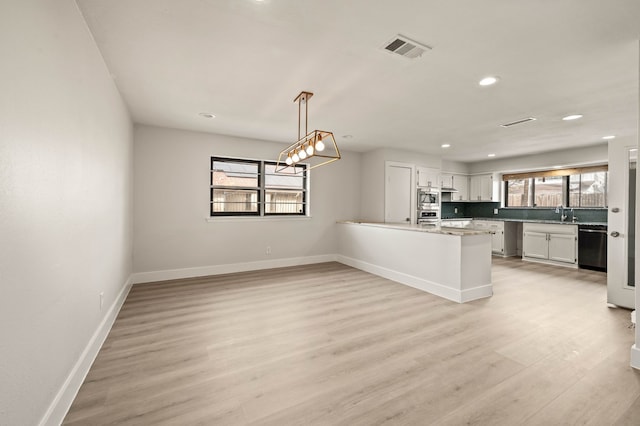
(619, 293)
(412, 189)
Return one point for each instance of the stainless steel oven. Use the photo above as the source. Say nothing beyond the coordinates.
(428, 201)
(428, 216)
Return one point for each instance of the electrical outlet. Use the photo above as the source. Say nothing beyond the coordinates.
(101, 299)
(268, 250)
(455, 210)
(495, 211)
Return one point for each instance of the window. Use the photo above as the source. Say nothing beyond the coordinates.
(588, 189)
(253, 188)
(547, 191)
(518, 193)
(578, 187)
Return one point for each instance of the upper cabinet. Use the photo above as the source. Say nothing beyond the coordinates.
(427, 177)
(481, 188)
(458, 182)
(461, 183)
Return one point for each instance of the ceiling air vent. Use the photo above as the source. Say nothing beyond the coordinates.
(406, 47)
(513, 123)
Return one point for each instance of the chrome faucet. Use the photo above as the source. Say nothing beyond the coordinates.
(573, 216)
(560, 209)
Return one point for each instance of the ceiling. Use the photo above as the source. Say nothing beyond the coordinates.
(246, 60)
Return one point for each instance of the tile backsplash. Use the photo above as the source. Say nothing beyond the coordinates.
(487, 209)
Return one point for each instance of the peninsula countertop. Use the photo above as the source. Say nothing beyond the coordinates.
(433, 229)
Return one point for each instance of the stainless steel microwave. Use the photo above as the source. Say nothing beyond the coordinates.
(428, 198)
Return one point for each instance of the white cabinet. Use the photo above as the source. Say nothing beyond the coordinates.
(550, 243)
(456, 181)
(481, 188)
(562, 248)
(461, 183)
(503, 235)
(446, 180)
(427, 177)
(535, 245)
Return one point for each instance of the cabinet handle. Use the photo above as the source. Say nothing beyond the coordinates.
(615, 234)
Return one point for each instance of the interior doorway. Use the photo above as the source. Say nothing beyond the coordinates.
(399, 193)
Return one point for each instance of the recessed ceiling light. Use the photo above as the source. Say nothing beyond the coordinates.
(488, 81)
(491, 155)
(445, 145)
(608, 137)
(207, 115)
(572, 117)
(347, 136)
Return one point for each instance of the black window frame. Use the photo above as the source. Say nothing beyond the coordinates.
(565, 188)
(261, 189)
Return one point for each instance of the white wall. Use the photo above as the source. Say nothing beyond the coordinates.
(455, 167)
(65, 202)
(635, 350)
(595, 154)
(172, 204)
(372, 177)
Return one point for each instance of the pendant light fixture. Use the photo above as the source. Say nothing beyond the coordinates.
(317, 147)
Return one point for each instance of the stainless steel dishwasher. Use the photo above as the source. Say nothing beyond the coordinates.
(592, 247)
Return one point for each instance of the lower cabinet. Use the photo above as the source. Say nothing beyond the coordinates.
(503, 235)
(550, 243)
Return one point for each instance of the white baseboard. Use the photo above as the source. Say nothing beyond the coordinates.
(231, 268)
(635, 357)
(550, 262)
(64, 398)
(420, 283)
(475, 293)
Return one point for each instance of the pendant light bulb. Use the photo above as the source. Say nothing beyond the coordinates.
(319, 144)
(302, 153)
(289, 161)
(295, 157)
(310, 149)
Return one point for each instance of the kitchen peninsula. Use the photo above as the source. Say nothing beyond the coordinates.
(450, 263)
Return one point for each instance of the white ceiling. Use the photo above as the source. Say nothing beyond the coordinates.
(245, 61)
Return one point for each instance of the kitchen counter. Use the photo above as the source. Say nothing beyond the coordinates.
(451, 263)
(557, 222)
(433, 229)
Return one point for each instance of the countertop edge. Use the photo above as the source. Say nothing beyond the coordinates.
(460, 232)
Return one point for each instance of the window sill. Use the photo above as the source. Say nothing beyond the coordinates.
(254, 218)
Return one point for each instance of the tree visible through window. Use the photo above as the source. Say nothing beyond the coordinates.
(519, 193)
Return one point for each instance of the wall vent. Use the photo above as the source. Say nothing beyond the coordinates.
(513, 123)
(406, 47)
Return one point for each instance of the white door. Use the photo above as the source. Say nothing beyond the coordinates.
(562, 248)
(535, 244)
(398, 190)
(621, 241)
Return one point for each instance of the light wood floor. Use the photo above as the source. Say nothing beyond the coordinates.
(331, 345)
